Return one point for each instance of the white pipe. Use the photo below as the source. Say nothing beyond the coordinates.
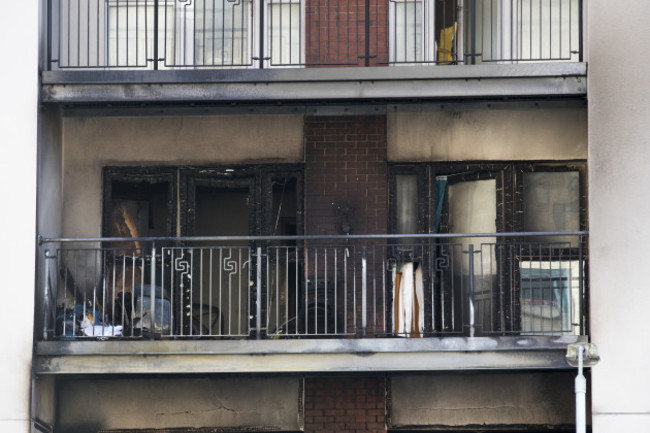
(581, 392)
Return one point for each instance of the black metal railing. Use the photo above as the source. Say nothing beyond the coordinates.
(336, 286)
(164, 34)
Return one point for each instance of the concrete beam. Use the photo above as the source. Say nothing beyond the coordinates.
(325, 84)
(272, 356)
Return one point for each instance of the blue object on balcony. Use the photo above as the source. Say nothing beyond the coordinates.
(160, 321)
(69, 323)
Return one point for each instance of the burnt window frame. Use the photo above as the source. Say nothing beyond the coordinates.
(520, 169)
(130, 174)
(509, 201)
(267, 176)
(192, 178)
(510, 190)
(183, 179)
(424, 192)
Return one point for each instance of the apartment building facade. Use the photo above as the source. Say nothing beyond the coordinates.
(329, 216)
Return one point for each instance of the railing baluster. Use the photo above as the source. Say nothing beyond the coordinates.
(471, 289)
(47, 300)
(258, 280)
(345, 291)
(581, 293)
(153, 286)
(364, 290)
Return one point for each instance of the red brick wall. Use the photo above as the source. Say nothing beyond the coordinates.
(346, 184)
(346, 168)
(336, 32)
(345, 404)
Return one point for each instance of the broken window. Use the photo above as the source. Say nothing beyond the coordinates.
(519, 284)
(202, 288)
(139, 202)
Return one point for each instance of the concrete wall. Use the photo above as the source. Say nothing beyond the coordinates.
(619, 181)
(50, 160)
(48, 225)
(499, 134)
(475, 399)
(86, 405)
(91, 143)
(18, 153)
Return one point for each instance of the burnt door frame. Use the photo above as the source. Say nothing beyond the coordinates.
(456, 174)
(226, 178)
(236, 178)
(266, 178)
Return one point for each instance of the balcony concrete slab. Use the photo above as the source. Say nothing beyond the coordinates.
(304, 355)
(316, 84)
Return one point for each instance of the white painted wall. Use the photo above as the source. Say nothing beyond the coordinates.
(488, 135)
(90, 143)
(619, 185)
(18, 126)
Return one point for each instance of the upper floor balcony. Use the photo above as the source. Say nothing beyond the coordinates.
(311, 303)
(159, 50)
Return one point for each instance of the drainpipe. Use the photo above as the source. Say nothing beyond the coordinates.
(581, 355)
(581, 395)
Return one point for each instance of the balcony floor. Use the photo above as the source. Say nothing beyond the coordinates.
(304, 355)
(322, 84)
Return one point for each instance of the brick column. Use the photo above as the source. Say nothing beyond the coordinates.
(345, 404)
(346, 175)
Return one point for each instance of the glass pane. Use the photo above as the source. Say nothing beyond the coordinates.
(408, 31)
(139, 209)
(222, 212)
(550, 293)
(473, 207)
(407, 203)
(284, 33)
(128, 39)
(546, 30)
(552, 201)
(221, 35)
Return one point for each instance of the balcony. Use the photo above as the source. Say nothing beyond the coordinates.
(312, 303)
(159, 50)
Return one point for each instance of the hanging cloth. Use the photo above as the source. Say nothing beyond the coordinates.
(408, 305)
(418, 308)
(406, 299)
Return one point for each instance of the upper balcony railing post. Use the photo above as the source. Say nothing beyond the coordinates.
(48, 65)
(580, 30)
(367, 34)
(155, 34)
(472, 28)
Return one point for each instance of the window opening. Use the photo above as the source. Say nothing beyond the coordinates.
(202, 289)
(523, 285)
